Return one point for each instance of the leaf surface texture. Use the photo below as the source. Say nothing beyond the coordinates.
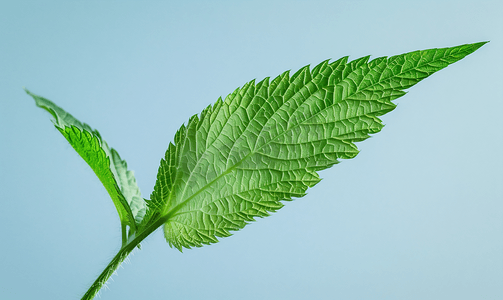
(106, 163)
(266, 141)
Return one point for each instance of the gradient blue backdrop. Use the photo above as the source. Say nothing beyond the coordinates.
(418, 214)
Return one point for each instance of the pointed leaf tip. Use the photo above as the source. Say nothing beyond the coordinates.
(265, 143)
(103, 160)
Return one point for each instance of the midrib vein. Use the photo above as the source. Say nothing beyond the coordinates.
(172, 212)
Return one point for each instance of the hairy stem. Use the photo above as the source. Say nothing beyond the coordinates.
(125, 250)
(109, 270)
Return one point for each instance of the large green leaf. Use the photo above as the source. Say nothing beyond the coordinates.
(104, 161)
(241, 157)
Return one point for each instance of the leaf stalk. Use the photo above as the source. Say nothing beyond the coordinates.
(117, 260)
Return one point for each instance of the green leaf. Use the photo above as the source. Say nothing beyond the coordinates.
(241, 157)
(104, 161)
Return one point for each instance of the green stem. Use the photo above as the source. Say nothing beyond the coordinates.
(124, 234)
(125, 250)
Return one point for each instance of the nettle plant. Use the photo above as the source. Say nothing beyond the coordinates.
(242, 156)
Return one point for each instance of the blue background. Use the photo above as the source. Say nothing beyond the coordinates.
(418, 214)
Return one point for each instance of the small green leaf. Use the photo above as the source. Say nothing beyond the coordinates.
(241, 157)
(104, 161)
